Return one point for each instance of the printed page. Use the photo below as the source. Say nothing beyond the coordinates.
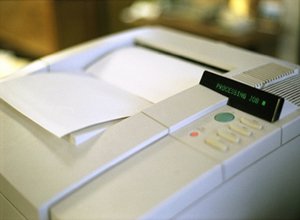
(65, 102)
(146, 73)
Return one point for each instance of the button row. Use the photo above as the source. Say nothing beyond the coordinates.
(230, 134)
(242, 128)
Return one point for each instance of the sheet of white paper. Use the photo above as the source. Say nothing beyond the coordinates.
(85, 134)
(146, 73)
(65, 102)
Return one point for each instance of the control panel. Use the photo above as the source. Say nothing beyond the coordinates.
(226, 133)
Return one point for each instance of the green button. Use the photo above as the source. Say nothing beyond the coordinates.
(224, 117)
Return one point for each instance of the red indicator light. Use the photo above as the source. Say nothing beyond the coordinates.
(194, 134)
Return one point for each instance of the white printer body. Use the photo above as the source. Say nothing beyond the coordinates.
(188, 155)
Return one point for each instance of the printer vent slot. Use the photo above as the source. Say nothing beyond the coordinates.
(288, 89)
(266, 75)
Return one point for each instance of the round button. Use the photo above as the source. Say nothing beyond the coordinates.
(224, 117)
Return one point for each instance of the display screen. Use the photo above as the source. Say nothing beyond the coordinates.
(246, 98)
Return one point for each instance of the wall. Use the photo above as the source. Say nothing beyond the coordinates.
(289, 44)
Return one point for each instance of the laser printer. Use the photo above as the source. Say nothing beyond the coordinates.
(151, 123)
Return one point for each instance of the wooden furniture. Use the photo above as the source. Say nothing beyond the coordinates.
(38, 28)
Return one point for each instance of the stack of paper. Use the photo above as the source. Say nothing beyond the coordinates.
(63, 103)
(146, 73)
(78, 106)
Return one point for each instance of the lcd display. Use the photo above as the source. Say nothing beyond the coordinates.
(243, 97)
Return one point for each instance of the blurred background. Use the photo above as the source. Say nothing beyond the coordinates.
(30, 29)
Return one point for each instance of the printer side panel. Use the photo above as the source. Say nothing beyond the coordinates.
(8, 211)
